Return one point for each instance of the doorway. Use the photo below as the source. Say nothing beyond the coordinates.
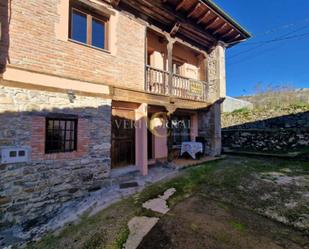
(123, 137)
(150, 145)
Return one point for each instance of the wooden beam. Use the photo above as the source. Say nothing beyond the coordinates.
(166, 15)
(165, 10)
(178, 40)
(220, 29)
(181, 4)
(213, 21)
(175, 29)
(115, 3)
(194, 35)
(228, 33)
(191, 13)
(234, 38)
(130, 95)
(204, 17)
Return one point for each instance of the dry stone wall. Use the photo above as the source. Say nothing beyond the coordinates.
(288, 131)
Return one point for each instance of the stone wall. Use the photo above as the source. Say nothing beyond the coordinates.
(31, 193)
(281, 134)
(209, 127)
(272, 140)
(216, 78)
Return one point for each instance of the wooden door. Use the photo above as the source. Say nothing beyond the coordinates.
(123, 138)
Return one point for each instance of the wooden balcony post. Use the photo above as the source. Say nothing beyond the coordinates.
(170, 46)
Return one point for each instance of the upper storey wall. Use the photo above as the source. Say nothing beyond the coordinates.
(39, 41)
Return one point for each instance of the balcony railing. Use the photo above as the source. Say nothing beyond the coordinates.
(157, 81)
(182, 87)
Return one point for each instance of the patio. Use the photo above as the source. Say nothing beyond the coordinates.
(183, 162)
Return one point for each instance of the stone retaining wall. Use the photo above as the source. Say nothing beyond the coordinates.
(32, 192)
(268, 140)
(280, 134)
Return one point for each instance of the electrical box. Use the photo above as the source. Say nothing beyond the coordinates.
(14, 154)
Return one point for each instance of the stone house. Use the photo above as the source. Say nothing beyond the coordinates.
(79, 81)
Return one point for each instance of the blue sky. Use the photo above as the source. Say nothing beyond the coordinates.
(283, 62)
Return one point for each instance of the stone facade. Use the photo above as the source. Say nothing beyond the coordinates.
(209, 120)
(209, 127)
(31, 192)
(216, 74)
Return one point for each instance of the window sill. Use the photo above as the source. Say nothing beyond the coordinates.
(89, 46)
(60, 152)
(65, 155)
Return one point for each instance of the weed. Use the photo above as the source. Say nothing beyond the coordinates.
(244, 110)
(194, 227)
(238, 226)
(95, 242)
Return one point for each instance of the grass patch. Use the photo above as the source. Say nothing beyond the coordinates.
(300, 105)
(107, 229)
(121, 239)
(238, 226)
(242, 110)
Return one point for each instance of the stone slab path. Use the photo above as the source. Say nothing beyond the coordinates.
(139, 227)
(159, 204)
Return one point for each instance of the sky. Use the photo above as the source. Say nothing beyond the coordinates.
(261, 60)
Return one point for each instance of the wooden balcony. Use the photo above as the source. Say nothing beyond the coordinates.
(157, 81)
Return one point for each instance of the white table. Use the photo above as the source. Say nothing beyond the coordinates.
(192, 148)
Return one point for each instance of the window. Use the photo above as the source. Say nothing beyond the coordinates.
(79, 26)
(61, 135)
(181, 129)
(98, 33)
(90, 29)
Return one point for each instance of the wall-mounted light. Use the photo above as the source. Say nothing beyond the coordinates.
(71, 95)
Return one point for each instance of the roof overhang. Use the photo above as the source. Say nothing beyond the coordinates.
(201, 22)
(211, 18)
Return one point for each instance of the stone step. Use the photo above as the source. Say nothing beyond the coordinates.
(125, 185)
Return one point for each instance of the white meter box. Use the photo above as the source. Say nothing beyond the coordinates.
(14, 154)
